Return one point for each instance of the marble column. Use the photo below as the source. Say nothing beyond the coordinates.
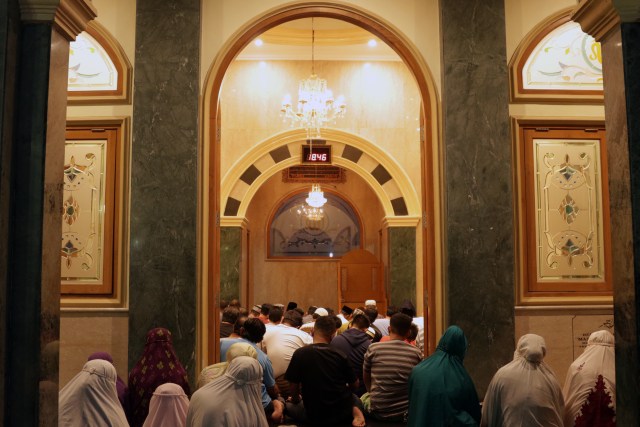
(9, 32)
(479, 272)
(230, 257)
(164, 176)
(37, 156)
(621, 67)
(402, 265)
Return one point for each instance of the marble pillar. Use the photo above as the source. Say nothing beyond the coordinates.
(9, 32)
(621, 59)
(479, 271)
(621, 67)
(230, 257)
(402, 265)
(164, 176)
(37, 156)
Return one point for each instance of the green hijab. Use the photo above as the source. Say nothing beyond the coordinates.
(441, 392)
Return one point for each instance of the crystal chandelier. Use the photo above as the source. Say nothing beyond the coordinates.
(316, 106)
(316, 197)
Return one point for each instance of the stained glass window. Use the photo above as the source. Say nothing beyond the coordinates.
(90, 67)
(565, 59)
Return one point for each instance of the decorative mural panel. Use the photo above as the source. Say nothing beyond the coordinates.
(298, 230)
(569, 210)
(83, 231)
(565, 59)
(90, 67)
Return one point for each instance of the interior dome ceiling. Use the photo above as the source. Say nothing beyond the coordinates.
(335, 40)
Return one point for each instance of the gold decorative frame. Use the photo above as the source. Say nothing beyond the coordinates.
(114, 294)
(530, 291)
(122, 95)
(518, 94)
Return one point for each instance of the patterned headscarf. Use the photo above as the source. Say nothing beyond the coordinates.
(159, 364)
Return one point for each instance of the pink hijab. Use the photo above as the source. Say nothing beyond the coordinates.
(168, 407)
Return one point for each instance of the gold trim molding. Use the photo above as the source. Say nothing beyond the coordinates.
(596, 17)
(298, 37)
(401, 221)
(73, 16)
(232, 221)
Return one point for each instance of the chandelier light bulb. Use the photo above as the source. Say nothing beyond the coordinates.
(316, 197)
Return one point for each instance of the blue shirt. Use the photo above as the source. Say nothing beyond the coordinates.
(267, 370)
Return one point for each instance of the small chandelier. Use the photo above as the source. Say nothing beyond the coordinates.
(316, 106)
(316, 197)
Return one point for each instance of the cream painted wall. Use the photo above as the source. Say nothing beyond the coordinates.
(383, 105)
(312, 282)
(522, 15)
(84, 333)
(418, 20)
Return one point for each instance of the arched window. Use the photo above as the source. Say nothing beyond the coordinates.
(296, 230)
(557, 62)
(99, 72)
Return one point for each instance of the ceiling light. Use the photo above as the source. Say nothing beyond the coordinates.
(258, 42)
(372, 43)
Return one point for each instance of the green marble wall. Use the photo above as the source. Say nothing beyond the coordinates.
(402, 264)
(230, 256)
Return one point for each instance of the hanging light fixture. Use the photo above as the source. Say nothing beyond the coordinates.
(316, 106)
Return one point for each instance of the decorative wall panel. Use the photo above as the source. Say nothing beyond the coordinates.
(568, 193)
(564, 242)
(83, 228)
(93, 215)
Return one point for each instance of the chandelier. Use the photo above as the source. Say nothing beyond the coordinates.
(316, 106)
(316, 197)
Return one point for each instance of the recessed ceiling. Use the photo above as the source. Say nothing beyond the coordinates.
(335, 40)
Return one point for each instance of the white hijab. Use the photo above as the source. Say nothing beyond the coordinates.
(232, 400)
(598, 359)
(168, 407)
(91, 399)
(524, 392)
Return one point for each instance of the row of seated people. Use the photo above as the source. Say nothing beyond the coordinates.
(269, 372)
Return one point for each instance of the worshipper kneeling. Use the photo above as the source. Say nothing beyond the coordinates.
(323, 378)
(386, 370)
(354, 343)
(121, 387)
(216, 370)
(231, 400)
(524, 392)
(252, 331)
(91, 399)
(590, 388)
(158, 364)
(441, 393)
(168, 407)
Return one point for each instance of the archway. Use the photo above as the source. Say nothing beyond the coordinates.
(209, 195)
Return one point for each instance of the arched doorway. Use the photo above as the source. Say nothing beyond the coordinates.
(210, 159)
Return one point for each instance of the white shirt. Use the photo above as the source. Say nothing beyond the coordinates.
(281, 341)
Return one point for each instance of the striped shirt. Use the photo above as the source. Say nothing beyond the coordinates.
(390, 364)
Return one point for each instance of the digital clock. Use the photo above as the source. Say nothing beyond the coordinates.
(316, 155)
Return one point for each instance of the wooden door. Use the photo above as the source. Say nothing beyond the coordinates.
(360, 277)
